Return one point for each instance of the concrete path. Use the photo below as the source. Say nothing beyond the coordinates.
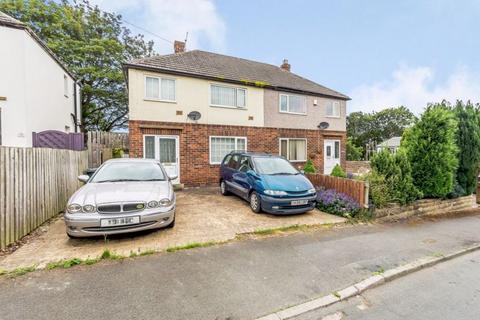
(203, 215)
(450, 290)
(240, 280)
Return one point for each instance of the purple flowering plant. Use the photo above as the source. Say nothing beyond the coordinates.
(337, 203)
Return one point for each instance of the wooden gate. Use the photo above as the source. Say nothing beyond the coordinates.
(101, 145)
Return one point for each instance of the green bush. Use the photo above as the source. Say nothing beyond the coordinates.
(397, 172)
(431, 149)
(354, 153)
(338, 172)
(309, 167)
(379, 191)
(468, 142)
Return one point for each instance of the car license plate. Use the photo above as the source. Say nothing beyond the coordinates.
(298, 202)
(119, 221)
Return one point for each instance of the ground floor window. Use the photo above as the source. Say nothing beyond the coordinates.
(293, 149)
(221, 146)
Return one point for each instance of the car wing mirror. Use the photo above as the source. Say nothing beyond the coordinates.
(302, 172)
(253, 174)
(172, 177)
(83, 178)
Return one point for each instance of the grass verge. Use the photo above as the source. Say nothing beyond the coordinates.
(192, 245)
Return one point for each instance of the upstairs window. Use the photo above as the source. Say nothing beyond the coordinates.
(221, 96)
(333, 109)
(162, 89)
(293, 104)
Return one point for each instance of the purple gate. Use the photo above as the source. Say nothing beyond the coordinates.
(58, 140)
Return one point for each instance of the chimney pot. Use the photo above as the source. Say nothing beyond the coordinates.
(179, 46)
(285, 65)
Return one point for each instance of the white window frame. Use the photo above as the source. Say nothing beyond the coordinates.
(225, 106)
(288, 104)
(288, 147)
(159, 89)
(333, 102)
(231, 137)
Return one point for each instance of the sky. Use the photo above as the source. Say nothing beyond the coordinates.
(380, 53)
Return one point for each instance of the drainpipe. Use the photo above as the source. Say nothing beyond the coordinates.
(75, 105)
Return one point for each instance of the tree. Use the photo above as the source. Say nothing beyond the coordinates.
(398, 175)
(468, 141)
(93, 44)
(354, 153)
(378, 126)
(430, 146)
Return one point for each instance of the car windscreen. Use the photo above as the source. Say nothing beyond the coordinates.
(126, 171)
(273, 166)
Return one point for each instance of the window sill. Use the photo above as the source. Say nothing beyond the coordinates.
(228, 107)
(334, 117)
(294, 113)
(297, 161)
(159, 100)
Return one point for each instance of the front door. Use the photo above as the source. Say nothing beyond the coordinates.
(166, 150)
(331, 155)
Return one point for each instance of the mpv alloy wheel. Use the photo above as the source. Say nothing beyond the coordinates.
(255, 202)
(223, 188)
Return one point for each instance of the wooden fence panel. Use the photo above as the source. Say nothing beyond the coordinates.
(100, 145)
(35, 184)
(356, 189)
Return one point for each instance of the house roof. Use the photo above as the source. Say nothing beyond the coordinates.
(8, 21)
(218, 67)
(392, 142)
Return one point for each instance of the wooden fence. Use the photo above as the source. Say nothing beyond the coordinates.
(356, 189)
(35, 184)
(100, 145)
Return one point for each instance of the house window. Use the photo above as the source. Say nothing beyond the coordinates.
(221, 146)
(65, 86)
(293, 149)
(292, 104)
(228, 96)
(333, 109)
(162, 89)
(149, 147)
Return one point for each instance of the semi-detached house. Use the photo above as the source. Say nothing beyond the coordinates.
(189, 109)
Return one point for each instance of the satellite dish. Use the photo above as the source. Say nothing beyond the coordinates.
(194, 115)
(323, 125)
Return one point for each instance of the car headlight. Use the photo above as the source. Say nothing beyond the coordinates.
(275, 192)
(165, 202)
(74, 208)
(152, 204)
(88, 208)
(311, 190)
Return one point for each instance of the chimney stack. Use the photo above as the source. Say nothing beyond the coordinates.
(285, 65)
(179, 46)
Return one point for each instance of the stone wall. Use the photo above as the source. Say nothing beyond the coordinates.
(426, 207)
(358, 167)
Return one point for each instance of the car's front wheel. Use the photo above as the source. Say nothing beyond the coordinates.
(255, 202)
(223, 188)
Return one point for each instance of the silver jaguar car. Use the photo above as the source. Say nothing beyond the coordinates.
(123, 195)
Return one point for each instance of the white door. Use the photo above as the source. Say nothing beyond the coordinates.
(331, 151)
(166, 150)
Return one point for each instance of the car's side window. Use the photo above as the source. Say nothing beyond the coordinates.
(233, 163)
(244, 164)
(226, 160)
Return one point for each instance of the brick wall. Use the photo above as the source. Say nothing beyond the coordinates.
(195, 167)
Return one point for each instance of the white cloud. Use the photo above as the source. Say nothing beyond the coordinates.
(172, 19)
(415, 87)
